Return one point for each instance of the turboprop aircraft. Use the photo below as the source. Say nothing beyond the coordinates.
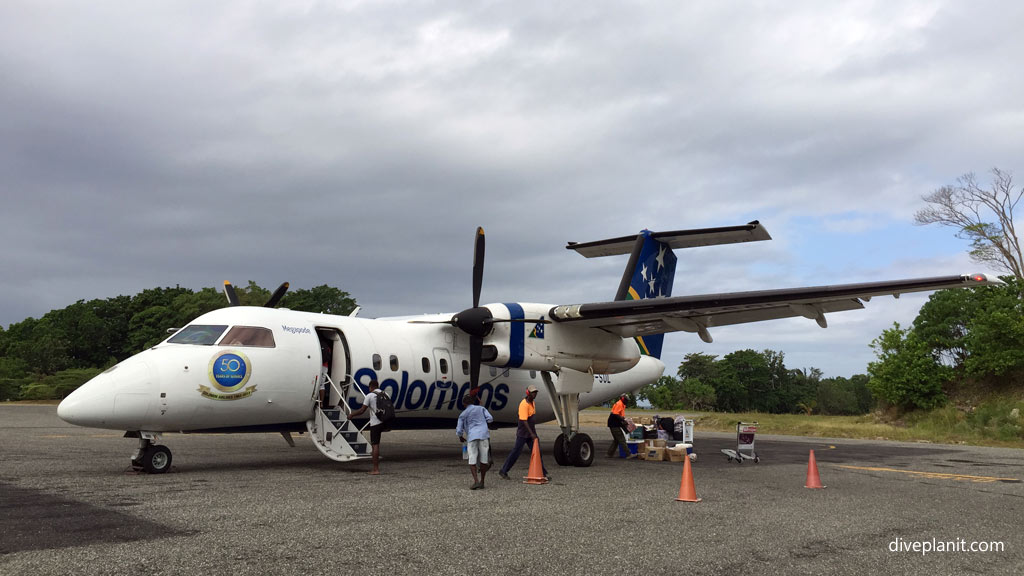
(259, 369)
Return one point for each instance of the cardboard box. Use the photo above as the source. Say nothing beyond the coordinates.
(678, 452)
(659, 443)
(655, 454)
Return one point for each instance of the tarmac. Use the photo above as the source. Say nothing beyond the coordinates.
(250, 504)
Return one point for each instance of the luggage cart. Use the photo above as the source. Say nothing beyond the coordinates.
(744, 441)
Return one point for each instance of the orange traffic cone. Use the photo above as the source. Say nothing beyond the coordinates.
(536, 473)
(813, 481)
(687, 493)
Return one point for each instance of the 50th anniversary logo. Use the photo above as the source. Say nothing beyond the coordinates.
(229, 372)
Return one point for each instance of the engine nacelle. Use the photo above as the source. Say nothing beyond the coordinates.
(536, 346)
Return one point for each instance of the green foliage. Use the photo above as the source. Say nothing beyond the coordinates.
(13, 376)
(324, 299)
(958, 336)
(993, 420)
(995, 337)
(747, 380)
(906, 374)
(670, 393)
(698, 395)
(98, 333)
(844, 396)
(58, 385)
(662, 394)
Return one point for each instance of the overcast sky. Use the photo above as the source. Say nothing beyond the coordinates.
(359, 145)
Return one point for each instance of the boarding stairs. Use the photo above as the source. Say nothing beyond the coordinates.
(333, 433)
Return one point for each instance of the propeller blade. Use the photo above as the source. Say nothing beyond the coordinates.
(276, 296)
(519, 320)
(478, 266)
(448, 322)
(476, 346)
(229, 291)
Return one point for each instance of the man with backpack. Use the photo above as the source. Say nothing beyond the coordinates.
(382, 411)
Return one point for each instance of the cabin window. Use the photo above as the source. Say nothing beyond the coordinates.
(494, 371)
(465, 367)
(394, 363)
(376, 362)
(443, 364)
(426, 365)
(533, 373)
(249, 336)
(201, 334)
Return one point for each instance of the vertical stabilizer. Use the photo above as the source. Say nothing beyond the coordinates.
(650, 272)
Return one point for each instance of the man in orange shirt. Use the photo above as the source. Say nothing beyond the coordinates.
(526, 433)
(616, 422)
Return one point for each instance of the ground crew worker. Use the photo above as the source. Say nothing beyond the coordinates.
(616, 422)
(526, 433)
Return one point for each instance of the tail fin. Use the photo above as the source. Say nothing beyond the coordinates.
(649, 274)
(652, 264)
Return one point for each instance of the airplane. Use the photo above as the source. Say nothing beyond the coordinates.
(259, 369)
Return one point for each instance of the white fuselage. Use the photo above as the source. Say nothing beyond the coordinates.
(273, 384)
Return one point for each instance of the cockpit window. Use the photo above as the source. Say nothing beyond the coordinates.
(249, 336)
(201, 334)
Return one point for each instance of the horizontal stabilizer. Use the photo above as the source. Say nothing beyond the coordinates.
(751, 232)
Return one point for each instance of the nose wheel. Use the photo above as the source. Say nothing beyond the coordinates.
(151, 458)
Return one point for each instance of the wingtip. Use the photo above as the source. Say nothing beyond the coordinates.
(987, 279)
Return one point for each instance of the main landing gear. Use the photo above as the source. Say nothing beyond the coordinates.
(576, 452)
(149, 457)
(572, 447)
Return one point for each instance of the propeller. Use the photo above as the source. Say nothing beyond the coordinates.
(232, 296)
(229, 291)
(477, 322)
(277, 295)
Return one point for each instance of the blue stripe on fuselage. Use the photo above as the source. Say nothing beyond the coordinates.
(517, 336)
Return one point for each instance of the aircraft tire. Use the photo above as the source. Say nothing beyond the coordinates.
(581, 450)
(156, 459)
(562, 451)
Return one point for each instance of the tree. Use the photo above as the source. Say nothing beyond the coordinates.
(324, 299)
(995, 337)
(978, 332)
(982, 215)
(942, 324)
(906, 374)
(662, 394)
(701, 366)
(698, 395)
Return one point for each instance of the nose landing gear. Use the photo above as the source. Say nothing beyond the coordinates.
(149, 457)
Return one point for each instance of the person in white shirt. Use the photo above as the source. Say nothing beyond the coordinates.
(472, 429)
(376, 426)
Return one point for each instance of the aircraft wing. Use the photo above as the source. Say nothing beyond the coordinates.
(629, 318)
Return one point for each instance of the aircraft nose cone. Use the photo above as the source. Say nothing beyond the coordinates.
(118, 399)
(90, 405)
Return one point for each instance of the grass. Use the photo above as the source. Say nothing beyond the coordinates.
(989, 424)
